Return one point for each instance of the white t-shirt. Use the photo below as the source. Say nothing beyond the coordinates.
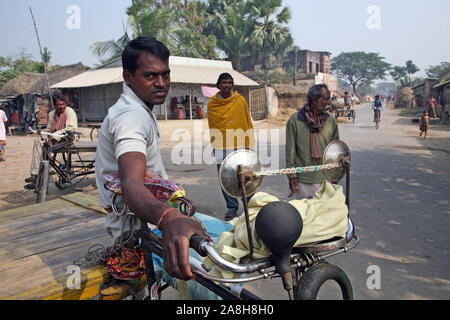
(130, 126)
(3, 119)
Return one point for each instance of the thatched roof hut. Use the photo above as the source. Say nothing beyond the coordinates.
(56, 76)
(20, 84)
(29, 82)
(291, 90)
(290, 96)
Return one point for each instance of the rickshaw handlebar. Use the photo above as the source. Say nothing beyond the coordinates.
(44, 133)
(204, 248)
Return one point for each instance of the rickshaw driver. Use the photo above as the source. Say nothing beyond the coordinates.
(61, 119)
(128, 143)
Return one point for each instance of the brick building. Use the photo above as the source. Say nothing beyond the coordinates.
(314, 62)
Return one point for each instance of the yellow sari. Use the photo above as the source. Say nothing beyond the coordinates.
(229, 122)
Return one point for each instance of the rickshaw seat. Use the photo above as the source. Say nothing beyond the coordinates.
(334, 243)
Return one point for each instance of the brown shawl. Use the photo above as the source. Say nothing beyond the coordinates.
(314, 127)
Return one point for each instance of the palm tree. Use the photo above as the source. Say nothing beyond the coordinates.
(231, 28)
(157, 22)
(271, 37)
(110, 49)
(143, 20)
(46, 56)
(405, 82)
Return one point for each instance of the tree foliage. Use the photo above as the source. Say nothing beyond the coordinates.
(12, 66)
(439, 71)
(359, 67)
(178, 24)
(400, 72)
(253, 31)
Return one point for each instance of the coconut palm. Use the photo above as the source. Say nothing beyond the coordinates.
(157, 22)
(110, 49)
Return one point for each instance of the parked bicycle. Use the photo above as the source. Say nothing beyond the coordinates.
(65, 160)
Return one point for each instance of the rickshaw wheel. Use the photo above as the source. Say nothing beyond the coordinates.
(313, 279)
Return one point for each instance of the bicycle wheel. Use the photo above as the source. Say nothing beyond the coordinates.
(311, 282)
(39, 188)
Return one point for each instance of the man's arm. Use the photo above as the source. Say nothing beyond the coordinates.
(290, 145)
(335, 131)
(176, 229)
(290, 154)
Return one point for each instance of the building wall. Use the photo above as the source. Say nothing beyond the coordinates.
(314, 62)
(95, 101)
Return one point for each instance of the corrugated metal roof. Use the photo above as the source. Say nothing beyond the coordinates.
(183, 70)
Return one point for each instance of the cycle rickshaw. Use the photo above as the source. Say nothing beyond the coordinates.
(66, 160)
(345, 113)
(303, 269)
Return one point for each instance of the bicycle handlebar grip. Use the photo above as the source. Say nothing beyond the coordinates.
(196, 242)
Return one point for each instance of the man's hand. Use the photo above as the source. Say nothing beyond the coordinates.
(177, 230)
(293, 185)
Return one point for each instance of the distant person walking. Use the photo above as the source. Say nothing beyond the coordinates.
(348, 100)
(3, 120)
(432, 105)
(424, 124)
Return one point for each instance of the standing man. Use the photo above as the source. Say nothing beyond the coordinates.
(348, 102)
(60, 119)
(432, 105)
(230, 127)
(128, 143)
(3, 124)
(308, 132)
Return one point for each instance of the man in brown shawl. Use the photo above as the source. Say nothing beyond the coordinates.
(308, 132)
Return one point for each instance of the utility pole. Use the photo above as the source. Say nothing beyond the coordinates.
(42, 58)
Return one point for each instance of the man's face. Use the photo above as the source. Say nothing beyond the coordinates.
(60, 106)
(151, 80)
(226, 86)
(323, 101)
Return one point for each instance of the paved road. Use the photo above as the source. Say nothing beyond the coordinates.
(399, 204)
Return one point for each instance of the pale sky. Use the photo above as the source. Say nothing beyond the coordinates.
(401, 30)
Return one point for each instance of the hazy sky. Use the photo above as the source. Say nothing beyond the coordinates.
(399, 30)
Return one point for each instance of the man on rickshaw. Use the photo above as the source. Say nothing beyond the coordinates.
(128, 143)
(60, 120)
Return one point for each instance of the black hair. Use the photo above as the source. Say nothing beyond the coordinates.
(346, 92)
(58, 96)
(377, 96)
(224, 76)
(315, 92)
(136, 46)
